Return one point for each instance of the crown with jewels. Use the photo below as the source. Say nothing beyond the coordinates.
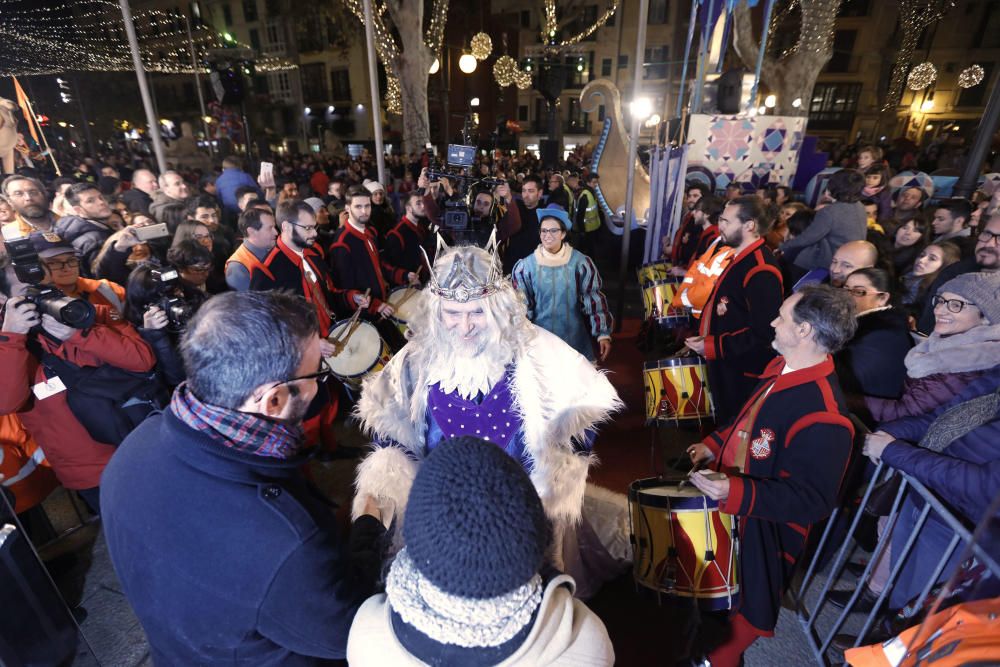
(459, 282)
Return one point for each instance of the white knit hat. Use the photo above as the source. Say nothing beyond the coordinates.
(373, 186)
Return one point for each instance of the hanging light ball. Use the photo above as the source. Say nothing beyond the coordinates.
(467, 63)
(971, 76)
(435, 66)
(523, 80)
(505, 71)
(482, 46)
(921, 76)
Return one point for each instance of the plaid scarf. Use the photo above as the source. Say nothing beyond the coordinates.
(244, 432)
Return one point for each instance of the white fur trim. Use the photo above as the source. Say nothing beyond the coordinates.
(387, 475)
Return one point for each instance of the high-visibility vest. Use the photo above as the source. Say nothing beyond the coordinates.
(701, 278)
(23, 466)
(572, 202)
(592, 215)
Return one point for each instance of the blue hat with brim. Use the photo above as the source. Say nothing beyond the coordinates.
(557, 213)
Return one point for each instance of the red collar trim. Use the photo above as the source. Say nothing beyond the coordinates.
(796, 378)
(367, 235)
(748, 250)
(294, 256)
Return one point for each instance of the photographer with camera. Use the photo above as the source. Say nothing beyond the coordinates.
(159, 305)
(488, 208)
(71, 323)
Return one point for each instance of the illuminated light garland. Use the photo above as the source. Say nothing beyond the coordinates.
(481, 46)
(505, 71)
(921, 76)
(971, 76)
(523, 80)
(550, 26)
(393, 96)
(914, 16)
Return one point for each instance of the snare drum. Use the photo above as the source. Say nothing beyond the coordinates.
(657, 295)
(683, 546)
(363, 352)
(677, 388)
(653, 271)
(405, 301)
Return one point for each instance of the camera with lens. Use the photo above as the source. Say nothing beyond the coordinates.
(48, 300)
(168, 290)
(459, 220)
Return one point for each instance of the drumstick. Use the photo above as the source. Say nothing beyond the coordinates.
(341, 340)
(406, 297)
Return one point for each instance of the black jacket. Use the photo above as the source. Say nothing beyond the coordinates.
(356, 264)
(872, 362)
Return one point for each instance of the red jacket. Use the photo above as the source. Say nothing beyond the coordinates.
(77, 458)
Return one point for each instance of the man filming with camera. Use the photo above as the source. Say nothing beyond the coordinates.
(75, 320)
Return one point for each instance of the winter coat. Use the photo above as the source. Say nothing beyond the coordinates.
(833, 226)
(159, 202)
(966, 474)
(564, 633)
(87, 237)
(871, 364)
(228, 558)
(938, 369)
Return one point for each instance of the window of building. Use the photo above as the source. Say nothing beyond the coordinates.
(606, 67)
(600, 113)
(613, 17)
(576, 120)
(340, 85)
(249, 10)
(275, 38)
(525, 18)
(280, 86)
(314, 82)
(656, 62)
(584, 19)
(260, 84)
(658, 11)
(309, 32)
(227, 14)
(973, 97)
(833, 105)
(522, 112)
(255, 39)
(843, 51)
(579, 69)
(622, 62)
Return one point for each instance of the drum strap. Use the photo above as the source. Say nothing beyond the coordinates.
(743, 428)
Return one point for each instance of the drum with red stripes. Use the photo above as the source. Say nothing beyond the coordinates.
(683, 546)
(677, 388)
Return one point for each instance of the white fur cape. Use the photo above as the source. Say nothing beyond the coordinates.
(557, 393)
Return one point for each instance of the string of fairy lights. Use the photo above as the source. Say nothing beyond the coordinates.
(89, 35)
(914, 16)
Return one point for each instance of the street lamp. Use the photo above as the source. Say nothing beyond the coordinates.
(435, 66)
(474, 102)
(641, 108)
(770, 101)
(467, 63)
(797, 102)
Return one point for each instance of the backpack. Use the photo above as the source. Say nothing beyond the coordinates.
(108, 401)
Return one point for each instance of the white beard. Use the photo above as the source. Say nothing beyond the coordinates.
(469, 372)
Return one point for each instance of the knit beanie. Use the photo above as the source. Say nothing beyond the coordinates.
(466, 585)
(981, 289)
(373, 186)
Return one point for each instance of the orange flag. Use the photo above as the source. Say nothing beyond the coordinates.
(22, 101)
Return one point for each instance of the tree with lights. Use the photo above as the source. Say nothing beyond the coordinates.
(790, 74)
(407, 62)
(914, 16)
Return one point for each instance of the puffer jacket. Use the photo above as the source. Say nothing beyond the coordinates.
(87, 237)
(938, 369)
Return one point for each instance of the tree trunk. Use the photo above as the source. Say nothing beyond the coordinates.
(412, 67)
(795, 75)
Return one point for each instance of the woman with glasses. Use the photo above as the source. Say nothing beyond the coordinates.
(965, 344)
(871, 364)
(193, 262)
(563, 288)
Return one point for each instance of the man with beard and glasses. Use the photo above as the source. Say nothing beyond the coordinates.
(736, 322)
(224, 549)
(30, 202)
(475, 365)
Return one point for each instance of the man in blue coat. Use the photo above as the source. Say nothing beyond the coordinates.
(226, 552)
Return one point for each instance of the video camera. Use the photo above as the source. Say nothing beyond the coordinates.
(177, 309)
(459, 221)
(49, 300)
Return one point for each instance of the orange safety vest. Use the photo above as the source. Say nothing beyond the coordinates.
(22, 463)
(701, 278)
(242, 255)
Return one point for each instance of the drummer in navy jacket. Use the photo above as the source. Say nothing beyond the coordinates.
(735, 324)
(783, 459)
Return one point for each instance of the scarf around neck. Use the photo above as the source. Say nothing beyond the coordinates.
(242, 431)
(974, 350)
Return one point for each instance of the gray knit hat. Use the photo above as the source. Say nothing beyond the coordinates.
(981, 289)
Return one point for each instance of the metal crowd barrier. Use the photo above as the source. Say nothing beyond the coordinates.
(820, 640)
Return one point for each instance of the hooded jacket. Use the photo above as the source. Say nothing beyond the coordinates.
(87, 237)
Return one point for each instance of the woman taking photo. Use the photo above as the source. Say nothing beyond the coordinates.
(563, 288)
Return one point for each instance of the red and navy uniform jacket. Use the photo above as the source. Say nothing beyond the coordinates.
(402, 244)
(736, 324)
(356, 265)
(685, 242)
(795, 461)
(284, 271)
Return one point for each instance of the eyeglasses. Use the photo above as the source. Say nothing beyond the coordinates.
(308, 228)
(60, 266)
(861, 292)
(953, 305)
(199, 268)
(549, 232)
(322, 375)
(988, 237)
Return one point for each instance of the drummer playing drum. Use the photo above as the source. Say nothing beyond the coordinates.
(782, 459)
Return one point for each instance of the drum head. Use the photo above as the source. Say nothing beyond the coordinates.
(360, 352)
(674, 362)
(653, 492)
(406, 302)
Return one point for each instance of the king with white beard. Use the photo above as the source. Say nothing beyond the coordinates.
(475, 365)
